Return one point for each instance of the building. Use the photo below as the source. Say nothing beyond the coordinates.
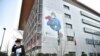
(59, 27)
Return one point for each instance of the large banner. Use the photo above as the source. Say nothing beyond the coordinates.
(53, 23)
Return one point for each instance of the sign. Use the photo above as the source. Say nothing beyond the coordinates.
(53, 22)
(93, 42)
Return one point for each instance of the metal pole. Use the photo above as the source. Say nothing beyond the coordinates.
(8, 48)
(2, 38)
(60, 44)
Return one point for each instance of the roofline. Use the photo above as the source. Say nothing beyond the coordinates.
(19, 28)
(24, 14)
(27, 6)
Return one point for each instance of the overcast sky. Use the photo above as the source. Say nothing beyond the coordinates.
(94, 4)
(9, 17)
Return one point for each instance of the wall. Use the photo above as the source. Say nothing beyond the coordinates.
(49, 37)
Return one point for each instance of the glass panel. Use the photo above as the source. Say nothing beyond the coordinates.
(40, 18)
(39, 28)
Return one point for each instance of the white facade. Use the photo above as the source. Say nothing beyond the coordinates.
(49, 37)
(75, 22)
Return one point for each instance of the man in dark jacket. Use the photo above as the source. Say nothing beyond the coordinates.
(18, 49)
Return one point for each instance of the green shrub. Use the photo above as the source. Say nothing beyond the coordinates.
(47, 54)
(54, 54)
(3, 54)
(40, 54)
(66, 55)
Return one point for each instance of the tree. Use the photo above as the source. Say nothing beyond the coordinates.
(3, 54)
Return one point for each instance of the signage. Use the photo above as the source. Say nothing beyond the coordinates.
(53, 22)
(93, 42)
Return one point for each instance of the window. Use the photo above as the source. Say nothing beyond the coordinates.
(40, 6)
(70, 38)
(38, 36)
(91, 31)
(40, 11)
(40, 2)
(68, 25)
(89, 16)
(40, 18)
(91, 23)
(39, 28)
(67, 15)
(67, 7)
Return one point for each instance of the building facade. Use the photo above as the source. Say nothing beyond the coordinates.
(59, 27)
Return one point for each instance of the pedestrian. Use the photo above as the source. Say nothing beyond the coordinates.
(18, 49)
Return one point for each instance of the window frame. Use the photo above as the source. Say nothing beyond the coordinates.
(68, 25)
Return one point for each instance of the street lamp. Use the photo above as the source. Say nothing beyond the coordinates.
(2, 38)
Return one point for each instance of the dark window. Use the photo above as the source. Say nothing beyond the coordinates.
(38, 36)
(40, 18)
(67, 15)
(40, 8)
(40, 2)
(68, 25)
(70, 38)
(39, 28)
(67, 7)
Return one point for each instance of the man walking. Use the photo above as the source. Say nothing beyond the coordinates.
(18, 49)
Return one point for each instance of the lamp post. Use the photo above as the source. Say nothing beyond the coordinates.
(2, 38)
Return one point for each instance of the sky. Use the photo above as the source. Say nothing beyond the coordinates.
(9, 19)
(94, 4)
